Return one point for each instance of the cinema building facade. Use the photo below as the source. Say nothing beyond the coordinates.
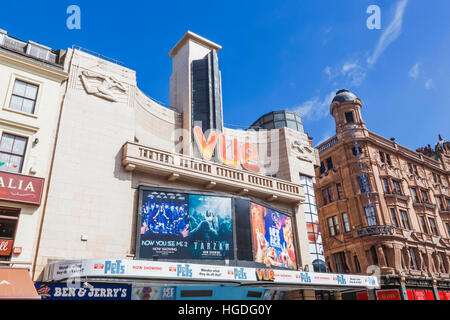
(384, 205)
(153, 202)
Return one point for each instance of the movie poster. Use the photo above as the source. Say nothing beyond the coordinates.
(182, 226)
(273, 241)
(164, 229)
(210, 227)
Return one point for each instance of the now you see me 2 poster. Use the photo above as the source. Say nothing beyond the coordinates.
(185, 226)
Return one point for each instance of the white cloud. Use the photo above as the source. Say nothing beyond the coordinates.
(429, 84)
(391, 33)
(316, 108)
(327, 71)
(414, 72)
(354, 73)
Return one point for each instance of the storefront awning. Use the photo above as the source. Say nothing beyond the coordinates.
(17, 284)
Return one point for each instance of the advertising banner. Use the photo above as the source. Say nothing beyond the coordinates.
(185, 226)
(63, 291)
(153, 293)
(6, 247)
(388, 294)
(186, 271)
(21, 188)
(273, 239)
(211, 230)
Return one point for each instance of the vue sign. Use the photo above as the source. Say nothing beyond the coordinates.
(245, 154)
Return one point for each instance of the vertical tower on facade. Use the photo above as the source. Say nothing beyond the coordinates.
(195, 85)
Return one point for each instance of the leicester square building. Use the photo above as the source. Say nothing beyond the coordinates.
(149, 202)
(384, 207)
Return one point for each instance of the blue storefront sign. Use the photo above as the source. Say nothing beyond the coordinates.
(63, 291)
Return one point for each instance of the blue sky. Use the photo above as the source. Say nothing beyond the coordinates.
(277, 54)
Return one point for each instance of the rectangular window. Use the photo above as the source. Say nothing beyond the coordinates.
(333, 226)
(441, 260)
(388, 159)
(413, 259)
(405, 220)
(415, 196)
(340, 194)
(24, 97)
(394, 217)
(441, 203)
(349, 117)
(410, 169)
(341, 264)
(397, 187)
(433, 226)
(322, 167)
(346, 222)
(364, 185)
(424, 226)
(386, 186)
(416, 172)
(370, 216)
(12, 152)
(329, 164)
(448, 229)
(382, 158)
(357, 265)
(425, 196)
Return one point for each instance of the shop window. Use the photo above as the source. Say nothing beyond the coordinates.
(24, 97)
(12, 152)
(196, 293)
(405, 220)
(423, 224)
(394, 217)
(433, 226)
(333, 226)
(341, 264)
(349, 117)
(370, 216)
(346, 222)
(8, 226)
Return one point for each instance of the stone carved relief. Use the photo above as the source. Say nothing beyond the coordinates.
(102, 86)
(302, 151)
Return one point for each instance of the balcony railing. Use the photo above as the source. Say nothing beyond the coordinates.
(211, 174)
(374, 230)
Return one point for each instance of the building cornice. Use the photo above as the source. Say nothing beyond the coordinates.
(195, 38)
(49, 71)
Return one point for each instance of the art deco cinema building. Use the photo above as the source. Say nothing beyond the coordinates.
(167, 202)
(381, 204)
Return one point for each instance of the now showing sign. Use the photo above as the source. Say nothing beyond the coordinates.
(20, 188)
